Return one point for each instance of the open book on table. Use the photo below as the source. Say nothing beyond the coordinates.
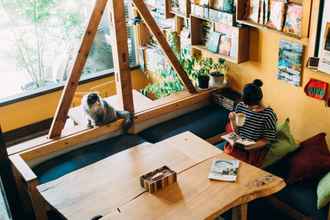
(224, 170)
(234, 139)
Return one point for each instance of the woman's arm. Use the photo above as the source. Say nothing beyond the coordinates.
(258, 145)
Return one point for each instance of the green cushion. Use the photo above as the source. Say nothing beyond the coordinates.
(284, 144)
(323, 191)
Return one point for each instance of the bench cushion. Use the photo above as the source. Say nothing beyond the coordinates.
(76, 159)
(300, 196)
(206, 122)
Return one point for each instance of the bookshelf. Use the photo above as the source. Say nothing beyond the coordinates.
(183, 11)
(242, 14)
(239, 40)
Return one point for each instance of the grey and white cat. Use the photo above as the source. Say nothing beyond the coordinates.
(99, 112)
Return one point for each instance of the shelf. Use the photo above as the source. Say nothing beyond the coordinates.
(241, 12)
(179, 14)
(265, 28)
(210, 54)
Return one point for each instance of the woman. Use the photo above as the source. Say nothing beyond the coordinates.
(259, 125)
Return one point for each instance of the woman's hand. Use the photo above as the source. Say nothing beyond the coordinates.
(258, 145)
(232, 116)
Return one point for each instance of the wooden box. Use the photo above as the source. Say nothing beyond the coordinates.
(158, 179)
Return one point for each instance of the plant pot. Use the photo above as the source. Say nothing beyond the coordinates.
(216, 79)
(203, 81)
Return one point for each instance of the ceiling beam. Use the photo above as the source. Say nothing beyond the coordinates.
(121, 56)
(158, 34)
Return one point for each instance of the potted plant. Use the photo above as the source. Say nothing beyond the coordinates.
(205, 65)
(217, 76)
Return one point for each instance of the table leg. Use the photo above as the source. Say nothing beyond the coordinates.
(240, 212)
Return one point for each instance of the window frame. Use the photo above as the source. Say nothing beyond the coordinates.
(26, 95)
(50, 89)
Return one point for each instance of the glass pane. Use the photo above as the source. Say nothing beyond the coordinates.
(39, 40)
(4, 208)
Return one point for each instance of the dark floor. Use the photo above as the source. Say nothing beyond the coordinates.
(261, 210)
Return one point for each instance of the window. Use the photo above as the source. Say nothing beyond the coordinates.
(4, 208)
(39, 40)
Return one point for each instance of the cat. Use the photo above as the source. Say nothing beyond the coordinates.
(99, 112)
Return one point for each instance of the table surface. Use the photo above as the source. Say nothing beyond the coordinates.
(111, 186)
(140, 101)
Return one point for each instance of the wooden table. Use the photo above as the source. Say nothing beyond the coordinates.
(141, 103)
(111, 186)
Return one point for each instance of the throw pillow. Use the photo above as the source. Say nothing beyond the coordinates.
(323, 191)
(284, 144)
(311, 160)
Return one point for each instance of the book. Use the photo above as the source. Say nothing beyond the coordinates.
(213, 42)
(293, 19)
(234, 139)
(254, 10)
(224, 170)
(276, 16)
(290, 62)
(225, 45)
(266, 11)
(261, 12)
(218, 5)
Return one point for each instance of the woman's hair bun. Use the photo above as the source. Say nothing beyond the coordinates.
(258, 83)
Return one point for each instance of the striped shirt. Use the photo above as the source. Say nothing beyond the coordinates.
(261, 124)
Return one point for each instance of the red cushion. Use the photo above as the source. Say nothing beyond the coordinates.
(311, 160)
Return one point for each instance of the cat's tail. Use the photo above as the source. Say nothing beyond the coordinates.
(128, 119)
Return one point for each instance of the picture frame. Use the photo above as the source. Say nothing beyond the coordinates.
(317, 27)
(324, 63)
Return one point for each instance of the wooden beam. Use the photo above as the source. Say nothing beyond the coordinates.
(172, 106)
(80, 61)
(39, 205)
(120, 55)
(158, 34)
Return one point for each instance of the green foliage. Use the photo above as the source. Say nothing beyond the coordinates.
(44, 30)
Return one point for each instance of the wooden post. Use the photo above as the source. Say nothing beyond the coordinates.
(240, 212)
(120, 55)
(158, 34)
(80, 61)
(7, 178)
(38, 203)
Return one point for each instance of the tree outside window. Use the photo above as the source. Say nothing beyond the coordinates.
(40, 39)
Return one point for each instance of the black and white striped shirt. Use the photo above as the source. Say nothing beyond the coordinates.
(261, 124)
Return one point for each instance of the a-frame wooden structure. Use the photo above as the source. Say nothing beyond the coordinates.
(120, 57)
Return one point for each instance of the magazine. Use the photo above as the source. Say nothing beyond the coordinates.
(290, 62)
(276, 17)
(254, 10)
(234, 139)
(224, 170)
(225, 45)
(213, 42)
(293, 19)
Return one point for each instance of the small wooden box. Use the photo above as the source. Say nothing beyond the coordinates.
(158, 179)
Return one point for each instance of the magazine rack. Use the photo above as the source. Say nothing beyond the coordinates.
(240, 41)
(241, 13)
